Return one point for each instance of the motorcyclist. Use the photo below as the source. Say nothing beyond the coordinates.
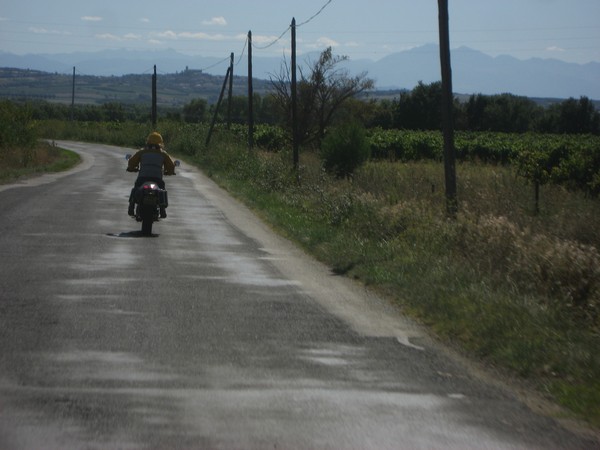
(150, 162)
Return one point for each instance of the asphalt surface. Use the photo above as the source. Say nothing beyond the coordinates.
(214, 333)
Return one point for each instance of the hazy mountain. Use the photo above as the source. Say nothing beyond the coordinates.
(473, 71)
(476, 72)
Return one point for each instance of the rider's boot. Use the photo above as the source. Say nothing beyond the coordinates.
(131, 210)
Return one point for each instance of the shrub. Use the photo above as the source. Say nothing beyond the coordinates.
(270, 137)
(344, 149)
(16, 126)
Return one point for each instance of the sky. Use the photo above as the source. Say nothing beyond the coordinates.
(568, 30)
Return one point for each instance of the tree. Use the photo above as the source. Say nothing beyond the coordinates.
(578, 116)
(344, 149)
(504, 112)
(113, 112)
(195, 111)
(420, 109)
(320, 94)
(571, 116)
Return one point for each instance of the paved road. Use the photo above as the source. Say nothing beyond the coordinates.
(214, 333)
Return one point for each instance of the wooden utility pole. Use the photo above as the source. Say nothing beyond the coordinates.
(214, 119)
(250, 95)
(154, 99)
(230, 94)
(73, 97)
(447, 110)
(294, 100)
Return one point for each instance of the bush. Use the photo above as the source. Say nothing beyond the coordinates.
(344, 149)
(16, 126)
(270, 137)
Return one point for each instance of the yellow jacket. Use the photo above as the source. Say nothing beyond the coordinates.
(150, 160)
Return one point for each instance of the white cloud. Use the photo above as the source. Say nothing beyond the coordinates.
(91, 18)
(199, 36)
(167, 34)
(327, 42)
(108, 37)
(220, 21)
(36, 30)
(116, 38)
(262, 40)
(145, 20)
(555, 49)
(323, 42)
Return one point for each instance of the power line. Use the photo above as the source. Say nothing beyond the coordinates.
(314, 15)
(215, 64)
(289, 27)
(258, 47)
(243, 51)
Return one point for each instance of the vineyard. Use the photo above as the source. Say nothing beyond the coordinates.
(568, 160)
(572, 161)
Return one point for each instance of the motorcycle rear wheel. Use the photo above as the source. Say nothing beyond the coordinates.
(147, 220)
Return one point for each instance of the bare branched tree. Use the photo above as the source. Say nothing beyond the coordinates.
(320, 94)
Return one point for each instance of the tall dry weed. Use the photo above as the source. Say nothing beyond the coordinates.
(564, 274)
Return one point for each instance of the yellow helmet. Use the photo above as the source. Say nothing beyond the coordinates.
(154, 139)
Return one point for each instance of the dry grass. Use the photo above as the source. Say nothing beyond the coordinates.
(22, 162)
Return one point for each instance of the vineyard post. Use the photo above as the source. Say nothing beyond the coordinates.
(447, 110)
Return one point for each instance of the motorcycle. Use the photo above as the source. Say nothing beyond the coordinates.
(149, 200)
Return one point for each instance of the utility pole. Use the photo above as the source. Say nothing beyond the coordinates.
(447, 110)
(214, 119)
(250, 95)
(154, 99)
(294, 100)
(230, 91)
(73, 97)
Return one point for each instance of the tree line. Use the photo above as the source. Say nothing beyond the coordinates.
(419, 109)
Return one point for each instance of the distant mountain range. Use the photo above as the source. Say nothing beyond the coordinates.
(473, 71)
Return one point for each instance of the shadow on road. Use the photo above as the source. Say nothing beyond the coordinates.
(132, 234)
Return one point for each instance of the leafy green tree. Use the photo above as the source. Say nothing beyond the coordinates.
(16, 126)
(113, 112)
(195, 111)
(344, 149)
(578, 116)
(505, 112)
(571, 117)
(421, 108)
(382, 115)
